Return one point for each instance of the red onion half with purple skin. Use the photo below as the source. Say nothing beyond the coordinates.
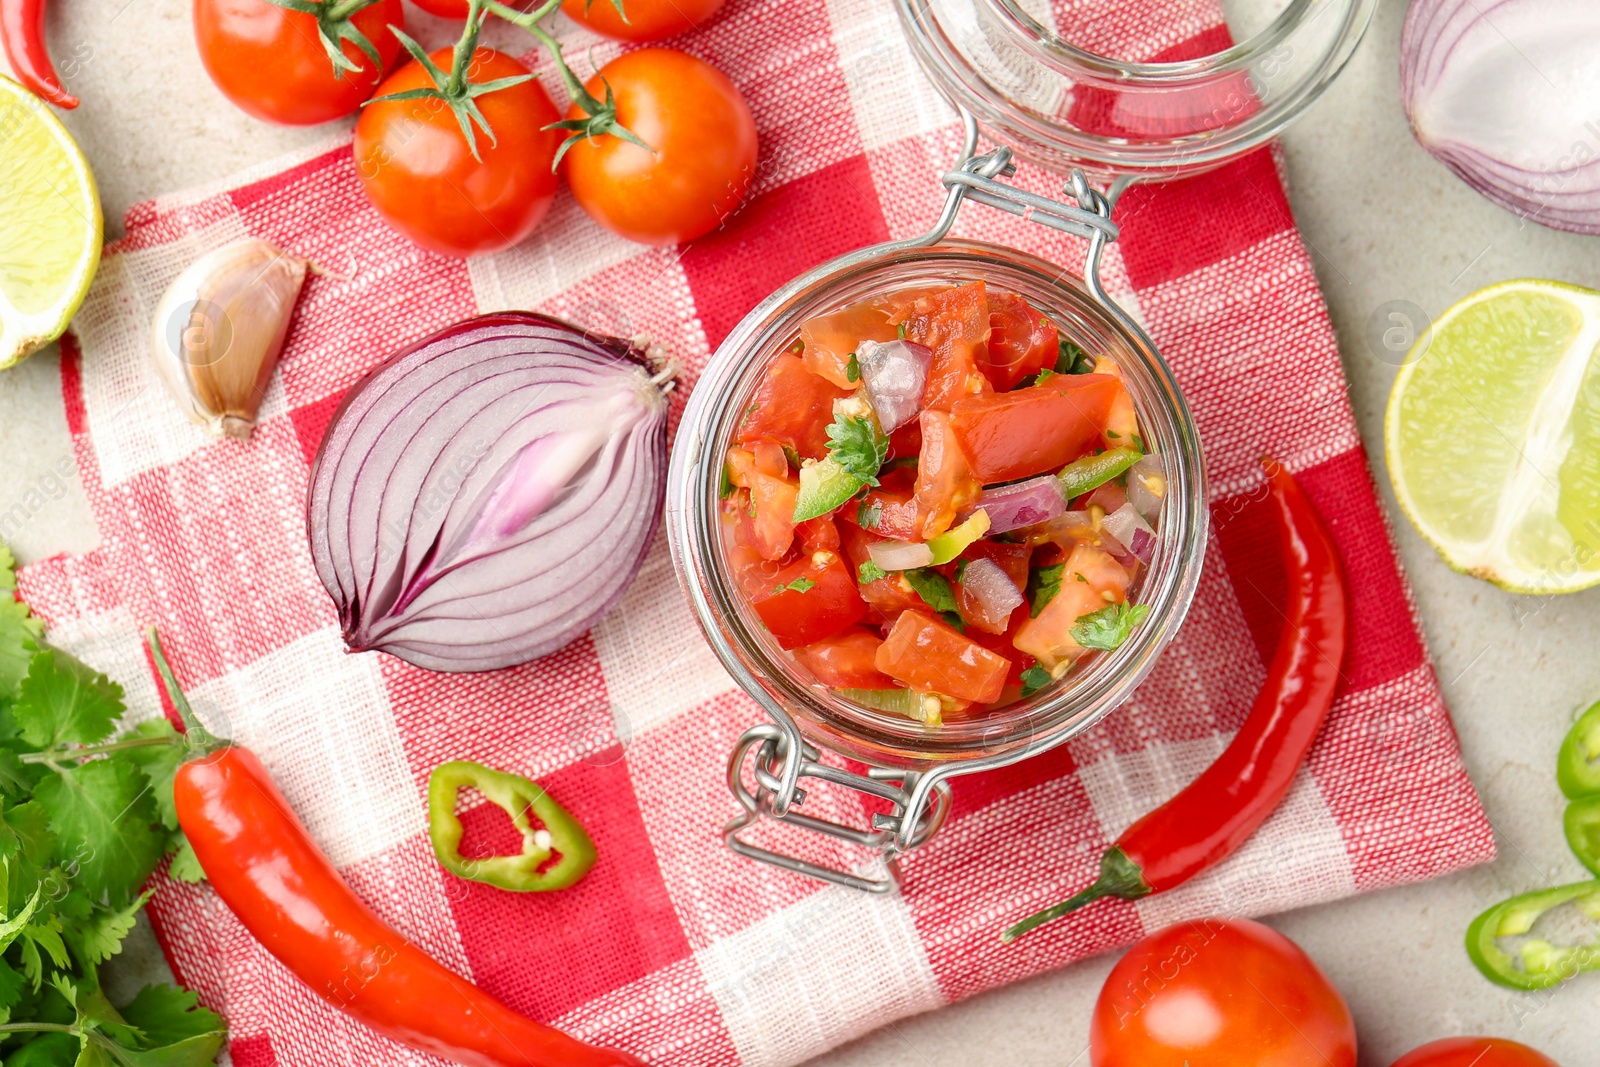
(1505, 94)
(485, 495)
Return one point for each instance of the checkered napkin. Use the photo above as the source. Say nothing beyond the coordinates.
(673, 948)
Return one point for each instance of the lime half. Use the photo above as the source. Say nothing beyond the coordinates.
(49, 225)
(1493, 436)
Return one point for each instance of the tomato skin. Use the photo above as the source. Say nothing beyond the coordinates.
(793, 407)
(1474, 1052)
(954, 323)
(1022, 341)
(830, 605)
(1029, 431)
(419, 173)
(945, 482)
(845, 661)
(704, 149)
(889, 595)
(767, 524)
(930, 656)
(1220, 993)
(268, 60)
(648, 20)
(445, 9)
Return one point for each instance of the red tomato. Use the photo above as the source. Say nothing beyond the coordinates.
(889, 595)
(1013, 435)
(932, 657)
(812, 598)
(945, 483)
(647, 21)
(1022, 341)
(1091, 580)
(845, 660)
(818, 534)
(444, 9)
(270, 62)
(955, 324)
(768, 526)
(891, 509)
(419, 173)
(1122, 421)
(793, 407)
(702, 154)
(906, 440)
(1474, 1052)
(1220, 993)
(830, 340)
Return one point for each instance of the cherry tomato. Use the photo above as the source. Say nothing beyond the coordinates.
(445, 9)
(270, 62)
(930, 656)
(793, 407)
(419, 173)
(1474, 1052)
(812, 598)
(845, 660)
(945, 483)
(648, 20)
(1022, 341)
(1220, 993)
(1007, 436)
(702, 153)
(955, 324)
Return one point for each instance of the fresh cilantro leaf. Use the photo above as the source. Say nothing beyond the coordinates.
(105, 820)
(1044, 376)
(792, 454)
(1043, 585)
(159, 763)
(15, 778)
(857, 445)
(870, 572)
(94, 1054)
(1033, 680)
(725, 488)
(100, 936)
(19, 641)
(868, 516)
(61, 701)
(45, 934)
(933, 588)
(185, 866)
(11, 985)
(800, 585)
(900, 330)
(49, 1050)
(955, 620)
(852, 369)
(27, 845)
(1109, 627)
(94, 1010)
(168, 1015)
(15, 924)
(1071, 359)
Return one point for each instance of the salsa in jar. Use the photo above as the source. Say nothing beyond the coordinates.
(938, 505)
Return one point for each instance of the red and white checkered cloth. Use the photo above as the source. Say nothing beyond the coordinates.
(673, 948)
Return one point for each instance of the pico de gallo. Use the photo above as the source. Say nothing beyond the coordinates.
(938, 505)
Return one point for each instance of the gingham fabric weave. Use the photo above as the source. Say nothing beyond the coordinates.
(673, 948)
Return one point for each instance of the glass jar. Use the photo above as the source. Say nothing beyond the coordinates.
(1062, 105)
(913, 761)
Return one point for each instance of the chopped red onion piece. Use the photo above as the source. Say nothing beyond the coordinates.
(1127, 526)
(992, 589)
(1028, 503)
(1147, 486)
(895, 374)
(900, 555)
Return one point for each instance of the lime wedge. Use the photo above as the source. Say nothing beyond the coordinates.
(49, 225)
(1493, 436)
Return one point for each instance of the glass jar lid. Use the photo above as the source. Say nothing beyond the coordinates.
(1035, 81)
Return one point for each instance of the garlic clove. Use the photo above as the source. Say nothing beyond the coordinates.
(219, 329)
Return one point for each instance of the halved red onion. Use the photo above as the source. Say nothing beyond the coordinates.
(995, 594)
(895, 373)
(1492, 90)
(485, 495)
(1147, 486)
(900, 555)
(1028, 503)
(1131, 531)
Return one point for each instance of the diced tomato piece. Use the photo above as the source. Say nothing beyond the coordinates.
(1012, 559)
(932, 657)
(818, 534)
(1090, 581)
(770, 459)
(1001, 644)
(752, 573)
(1029, 431)
(889, 595)
(1022, 341)
(955, 324)
(945, 481)
(811, 599)
(793, 407)
(1122, 422)
(905, 441)
(741, 467)
(830, 340)
(846, 660)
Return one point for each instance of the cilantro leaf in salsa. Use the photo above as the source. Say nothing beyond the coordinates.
(1033, 680)
(933, 588)
(870, 572)
(1107, 628)
(801, 585)
(1043, 585)
(852, 369)
(857, 445)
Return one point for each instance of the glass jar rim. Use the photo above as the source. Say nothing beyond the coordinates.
(1031, 725)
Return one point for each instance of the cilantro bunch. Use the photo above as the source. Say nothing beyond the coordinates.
(85, 817)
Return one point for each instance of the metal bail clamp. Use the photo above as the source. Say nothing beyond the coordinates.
(776, 753)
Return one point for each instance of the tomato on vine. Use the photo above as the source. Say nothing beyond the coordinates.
(297, 62)
(683, 159)
(639, 21)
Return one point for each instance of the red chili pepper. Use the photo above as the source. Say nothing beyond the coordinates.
(22, 33)
(265, 866)
(1218, 811)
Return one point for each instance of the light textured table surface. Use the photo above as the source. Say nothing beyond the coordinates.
(1384, 222)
